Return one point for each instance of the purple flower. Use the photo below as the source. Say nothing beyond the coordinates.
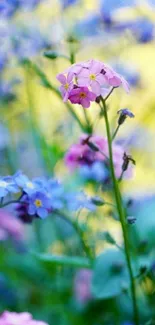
(10, 227)
(82, 286)
(22, 210)
(39, 204)
(7, 186)
(82, 96)
(66, 85)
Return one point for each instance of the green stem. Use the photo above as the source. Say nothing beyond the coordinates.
(7, 203)
(72, 57)
(116, 131)
(38, 235)
(48, 85)
(121, 216)
(89, 126)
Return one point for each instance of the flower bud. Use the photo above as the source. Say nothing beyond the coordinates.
(131, 220)
(123, 114)
(97, 201)
(126, 160)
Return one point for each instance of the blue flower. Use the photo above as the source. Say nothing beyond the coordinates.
(68, 3)
(39, 204)
(24, 183)
(96, 172)
(108, 8)
(126, 112)
(8, 7)
(128, 72)
(123, 114)
(28, 41)
(7, 186)
(143, 30)
(79, 200)
(90, 26)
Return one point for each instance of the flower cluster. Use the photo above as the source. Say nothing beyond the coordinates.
(83, 82)
(40, 196)
(91, 153)
(12, 318)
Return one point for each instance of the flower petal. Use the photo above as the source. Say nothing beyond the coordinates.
(42, 213)
(61, 77)
(96, 88)
(85, 102)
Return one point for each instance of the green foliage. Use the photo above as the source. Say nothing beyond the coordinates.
(110, 275)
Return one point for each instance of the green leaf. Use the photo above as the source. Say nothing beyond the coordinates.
(74, 261)
(110, 275)
(54, 55)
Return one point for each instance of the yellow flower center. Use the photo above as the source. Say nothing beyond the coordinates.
(82, 95)
(38, 203)
(66, 86)
(92, 76)
(3, 184)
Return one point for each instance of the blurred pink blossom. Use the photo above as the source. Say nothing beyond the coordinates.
(10, 226)
(82, 154)
(12, 318)
(82, 286)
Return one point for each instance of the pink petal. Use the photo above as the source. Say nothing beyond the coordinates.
(125, 85)
(96, 67)
(96, 88)
(92, 96)
(61, 77)
(84, 73)
(82, 81)
(101, 79)
(74, 99)
(115, 81)
(65, 98)
(85, 102)
(70, 77)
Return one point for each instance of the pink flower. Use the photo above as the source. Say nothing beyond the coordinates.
(92, 76)
(66, 84)
(82, 286)
(82, 95)
(12, 318)
(81, 154)
(10, 226)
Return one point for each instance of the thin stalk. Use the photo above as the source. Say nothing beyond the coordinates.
(38, 235)
(48, 85)
(115, 132)
(89, 126)
(121, 216)
(72, 57)
(8, 203)
(110, 92)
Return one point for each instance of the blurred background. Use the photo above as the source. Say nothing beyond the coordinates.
(36, 129)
